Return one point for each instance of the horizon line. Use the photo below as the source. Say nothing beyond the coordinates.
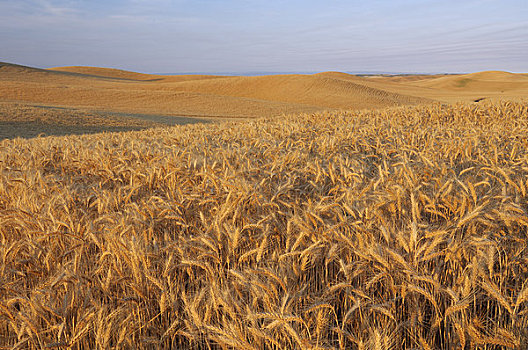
(273, 72)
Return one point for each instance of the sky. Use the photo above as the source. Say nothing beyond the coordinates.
(240, 36)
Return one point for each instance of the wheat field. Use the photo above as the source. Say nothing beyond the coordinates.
(403, 228)
(95, 91)
(30, 120)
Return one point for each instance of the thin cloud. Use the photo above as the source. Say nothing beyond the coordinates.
(55, 8)
(242, 35)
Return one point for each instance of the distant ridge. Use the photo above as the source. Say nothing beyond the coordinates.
(6, 67)
(104, 72)
(213, 96)
(127, 75)
(480, 81)
(260, 73)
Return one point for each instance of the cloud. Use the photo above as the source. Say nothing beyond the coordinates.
(57, 8)
(229, 35)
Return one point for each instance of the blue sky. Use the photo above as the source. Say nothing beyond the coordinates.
(270, 35)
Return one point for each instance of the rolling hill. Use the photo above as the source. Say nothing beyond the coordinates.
(195, 95)
(106, 90)
(490, 82)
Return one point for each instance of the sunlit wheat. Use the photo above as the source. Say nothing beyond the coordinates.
(399, 228)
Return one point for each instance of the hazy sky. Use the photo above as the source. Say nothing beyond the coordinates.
(268, 35)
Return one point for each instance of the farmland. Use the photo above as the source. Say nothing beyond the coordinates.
(402, 227)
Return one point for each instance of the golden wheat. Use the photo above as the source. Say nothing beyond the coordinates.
(398, 228)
